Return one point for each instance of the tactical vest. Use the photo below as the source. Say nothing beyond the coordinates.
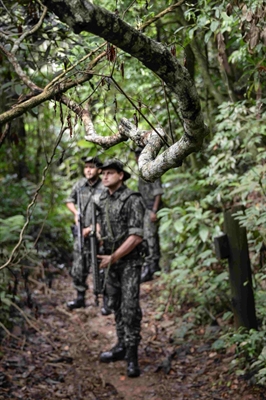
(115, 223)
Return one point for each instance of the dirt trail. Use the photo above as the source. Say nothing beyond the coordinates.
(56, 355)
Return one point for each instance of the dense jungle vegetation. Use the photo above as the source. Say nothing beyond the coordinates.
(222, 45)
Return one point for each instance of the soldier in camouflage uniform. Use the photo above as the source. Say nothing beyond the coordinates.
(151, 193)
(121, 218)
(89, 189)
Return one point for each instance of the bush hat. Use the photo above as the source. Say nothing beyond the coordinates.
(93, 160)
(117, 165)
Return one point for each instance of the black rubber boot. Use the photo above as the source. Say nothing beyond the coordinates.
(146, 275)
(133, 370)
(105, 310)
(118, 352)
(79, 302)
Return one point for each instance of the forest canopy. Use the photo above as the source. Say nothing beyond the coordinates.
(160, 57)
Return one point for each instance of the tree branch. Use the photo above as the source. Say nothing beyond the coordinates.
(50, 92)
(16, 44)
(29, 32)
(13, 60)
(160, 15)
(82, 15)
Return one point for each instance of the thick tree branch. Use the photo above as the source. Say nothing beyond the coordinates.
(90, 134)
(151, 165)
(82, 15)
(38, 95)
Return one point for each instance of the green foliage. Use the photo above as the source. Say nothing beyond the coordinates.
(187, 234)
(248, 344)
(232, 171)
(233, 150)
(10, 226)
(259, 366)
(250, 351)
(5, 305)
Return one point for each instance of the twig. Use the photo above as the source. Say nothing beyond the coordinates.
(9, 333)
(29, 32)
(98, 58)
(138, 109)
(68, 313)
(5, 133)
(160, 15)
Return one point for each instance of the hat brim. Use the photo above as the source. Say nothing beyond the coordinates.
(127, 175)
(92, 160)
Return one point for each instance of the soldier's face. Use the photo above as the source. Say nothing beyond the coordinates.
(112, 178)
(91, 172)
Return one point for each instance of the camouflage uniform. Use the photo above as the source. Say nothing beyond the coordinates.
(148, 191)
(121, 215)
(88, 193)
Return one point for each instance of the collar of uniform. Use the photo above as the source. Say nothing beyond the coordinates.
(94, 184)
(115, 195)
(118, 192)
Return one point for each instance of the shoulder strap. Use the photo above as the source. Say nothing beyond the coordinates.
(127, 193)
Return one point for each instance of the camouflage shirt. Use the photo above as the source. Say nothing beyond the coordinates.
(120, 215)
(149, 190)
(88, 193)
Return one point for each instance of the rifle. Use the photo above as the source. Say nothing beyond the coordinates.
(82, 252)
(96, 275)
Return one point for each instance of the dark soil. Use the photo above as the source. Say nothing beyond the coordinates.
(54, 354)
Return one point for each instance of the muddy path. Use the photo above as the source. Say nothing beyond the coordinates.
(54, 354)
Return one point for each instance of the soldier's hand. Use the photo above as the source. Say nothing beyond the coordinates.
(105, 261)
(86, 231)
(99, 238)
(153, 216)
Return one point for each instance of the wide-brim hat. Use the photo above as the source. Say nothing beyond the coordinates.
(117, 165)
(93, 160)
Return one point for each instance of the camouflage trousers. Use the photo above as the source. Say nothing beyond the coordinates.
(123, 287)
(79, 270)
(152, 237)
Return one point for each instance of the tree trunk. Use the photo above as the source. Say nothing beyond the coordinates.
(243, 303)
